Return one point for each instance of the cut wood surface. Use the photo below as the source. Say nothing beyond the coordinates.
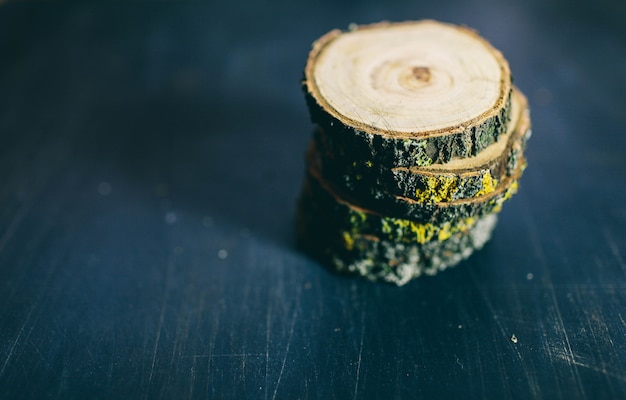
(411, 93)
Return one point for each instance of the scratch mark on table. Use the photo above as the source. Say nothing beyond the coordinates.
(292, 325)
(268, 332)
(192, 374)
(233, 355)
(574, 360)
(244, 357)
(533, 385)
(91, 357)
(65, 377)
(43, 358)
(480, 371)
(621, 319)
(155, 349)
(14, 343)
(614, 249)
(34, 306)
(599, 332)
(534, 236)
(157, 340)
(212, 340)
(112, 363)
(561, 325)
(358, 364)
(15, 222)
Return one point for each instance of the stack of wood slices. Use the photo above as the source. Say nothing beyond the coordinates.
(418, 141)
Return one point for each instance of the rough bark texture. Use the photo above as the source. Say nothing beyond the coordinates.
(351, 143)
(365, 180)
(339, 215)
(420, 212)
(384, 260)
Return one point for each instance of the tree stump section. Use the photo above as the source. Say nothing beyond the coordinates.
(419, 141)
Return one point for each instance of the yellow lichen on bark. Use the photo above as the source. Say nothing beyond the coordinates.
(489, 184)
(438, 189)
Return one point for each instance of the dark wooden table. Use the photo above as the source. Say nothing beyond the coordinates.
(150, 158)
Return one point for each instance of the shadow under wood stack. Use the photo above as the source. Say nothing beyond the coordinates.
(419, 139)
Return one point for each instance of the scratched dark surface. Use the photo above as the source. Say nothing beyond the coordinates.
(150, 157)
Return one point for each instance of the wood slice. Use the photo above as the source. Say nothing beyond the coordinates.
(346, 208)
(460, 178)
(406, 94)
(338, 216)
